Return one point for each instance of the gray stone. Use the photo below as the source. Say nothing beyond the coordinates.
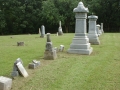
(80, 43)
(61, 49)
(98, 29)
(5, 83)
(60, 32)
(22, 69)
(102, 28)
(14, 74)
(39, 31)
(50, 53)
(31, 66)
(92, 34)
(42, 31)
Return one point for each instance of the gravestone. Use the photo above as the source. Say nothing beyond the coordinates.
(39, 31)
(92, 34)
(50, 53)
(18, 69)
(20, 43)
(98, 29)
(5, 83)
(80, 43)
(42, 31)
(61, 49)
(60, 32)
(22, 69)
(15, 71)
(102, 28)
(34, 64)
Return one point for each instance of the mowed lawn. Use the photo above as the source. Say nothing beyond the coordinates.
(98, 71)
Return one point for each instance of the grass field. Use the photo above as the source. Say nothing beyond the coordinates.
(98, 71)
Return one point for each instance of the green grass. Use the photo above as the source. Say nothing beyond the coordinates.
(98, 71)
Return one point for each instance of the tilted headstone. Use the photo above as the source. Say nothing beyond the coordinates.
(50, 53)
(15, 71)
(80, 43)
(22, 69)
(60, 32)
(42, 31)
(102, 28)
(5, 83)
(92, 34)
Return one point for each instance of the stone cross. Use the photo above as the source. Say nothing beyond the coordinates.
(80, 43)
(59, 23)
(92, 34)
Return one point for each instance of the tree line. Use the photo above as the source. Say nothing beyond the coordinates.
(27, 16)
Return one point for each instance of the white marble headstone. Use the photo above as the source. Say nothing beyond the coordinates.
(22, 69)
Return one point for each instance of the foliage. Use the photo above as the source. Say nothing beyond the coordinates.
(26, 16)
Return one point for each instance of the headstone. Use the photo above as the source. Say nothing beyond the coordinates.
(55, 48)
(92, 34)
(60, 32)
(50, 53)
(57, 33)
(61, 48)
(42, 31)
(80, 43)
(39, 31)
(102, 28)
(20, 43)
(34, 64)
(15, 71)
(5, 83)
(22, 69)
(98, 29)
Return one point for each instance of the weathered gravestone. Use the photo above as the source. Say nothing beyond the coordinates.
(50, 53)
(80, 43)
(20, 43)
(102, 28)
(39, 31)
(18, 69)
(22, 69)
(92, 34)
(15, 71)
(98, 29)
(5, 83)
(42, 31)
(60, 32)
(61, 49)
(34, 64)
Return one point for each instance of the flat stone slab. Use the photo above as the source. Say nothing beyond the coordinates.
(5, 83)
(22, 69)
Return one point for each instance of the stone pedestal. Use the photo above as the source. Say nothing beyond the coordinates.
(80, 43)
(92, 34)
(5, 83)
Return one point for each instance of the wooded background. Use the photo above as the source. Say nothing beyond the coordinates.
(27, 16)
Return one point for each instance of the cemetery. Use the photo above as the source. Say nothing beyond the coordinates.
(56, 61)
